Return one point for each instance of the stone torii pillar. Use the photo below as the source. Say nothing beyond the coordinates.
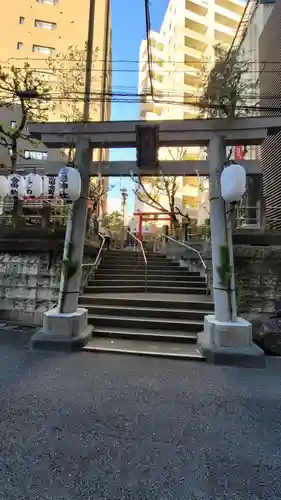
(69, 327)
(226, 339)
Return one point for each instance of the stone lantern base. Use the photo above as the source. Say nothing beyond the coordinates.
(63, 331)
(230, 343)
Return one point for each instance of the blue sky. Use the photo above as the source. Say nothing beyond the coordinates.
(128, 30)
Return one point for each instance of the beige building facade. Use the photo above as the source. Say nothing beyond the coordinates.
(34, 30)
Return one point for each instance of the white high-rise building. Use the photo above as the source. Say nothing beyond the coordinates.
(180, 52)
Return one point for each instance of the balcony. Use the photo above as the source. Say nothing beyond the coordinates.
(194, 63)
(190, 112)
(231, 6)
(226, 21)
(224, 12)
(190, 201)
(156, 45)
(199, 7)
(190, 190)
(200, 41)
(189, 95)
(194, 47)
(191, 182)
(225, 29)
(195, 26)
(221, 37)
(150, 108)
(192, 79)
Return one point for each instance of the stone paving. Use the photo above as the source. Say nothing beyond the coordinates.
(108, 427)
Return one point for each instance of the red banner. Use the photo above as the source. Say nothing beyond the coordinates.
(239, 153)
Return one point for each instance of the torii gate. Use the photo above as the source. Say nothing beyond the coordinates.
(146, 216)
(221, 337)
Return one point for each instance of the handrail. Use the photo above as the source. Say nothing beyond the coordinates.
(143, 253)
(98, 257)
(199, 255)
(187, 246)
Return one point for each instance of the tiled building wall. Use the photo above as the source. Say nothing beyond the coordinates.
(270, 97)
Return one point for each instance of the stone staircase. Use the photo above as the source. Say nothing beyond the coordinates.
(124, 271)
(163, 321)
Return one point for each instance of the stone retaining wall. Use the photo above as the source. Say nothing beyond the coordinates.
(29, 286)
(258, 278)
(257, 274)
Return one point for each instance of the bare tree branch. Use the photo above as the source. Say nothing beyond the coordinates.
(146, 197)
(14, 83)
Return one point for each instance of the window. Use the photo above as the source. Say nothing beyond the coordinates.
(12, 124)
(19, 45)
(22, 20)
(36, 155)
(43, 50)
(45, 25)
(48, 2)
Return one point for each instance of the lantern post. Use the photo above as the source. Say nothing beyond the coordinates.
(66, 326)
(80, 210)
(217, 157)
(226, 338)
(124, 196)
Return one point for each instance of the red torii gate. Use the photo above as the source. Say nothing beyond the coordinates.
(146, 217)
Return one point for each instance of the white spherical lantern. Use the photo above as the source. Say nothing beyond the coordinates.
(69, 184)
(33, 185)
(16, 186)
(49, 186)
(4, 186)
(233, 183)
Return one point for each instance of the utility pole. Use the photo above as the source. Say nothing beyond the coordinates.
(89, 62)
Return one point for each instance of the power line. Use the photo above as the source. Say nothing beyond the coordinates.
(128, 70)
(144, 96)
(135, 99)
(134, 61)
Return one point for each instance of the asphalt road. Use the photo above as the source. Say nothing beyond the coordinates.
(96, 426)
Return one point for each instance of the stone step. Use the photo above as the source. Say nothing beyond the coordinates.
(145, 312)
(170, 272)
(201, 303)
(130, 269)
(132, 255)
(143, 334)
(151, 277)
(156, 265)
(128, 322)
(175, 350)
(141, 289)
(150, 282)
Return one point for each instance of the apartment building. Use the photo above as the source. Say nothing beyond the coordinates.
(182, 52)
(34, 30)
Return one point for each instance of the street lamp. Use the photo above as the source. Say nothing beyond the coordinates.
(124, 196)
